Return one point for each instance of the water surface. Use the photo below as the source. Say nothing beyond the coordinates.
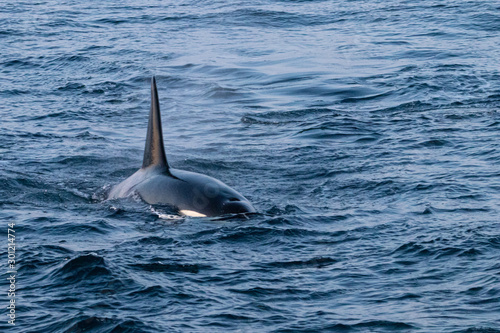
(366, 133)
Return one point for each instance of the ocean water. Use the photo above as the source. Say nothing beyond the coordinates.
(366, 133)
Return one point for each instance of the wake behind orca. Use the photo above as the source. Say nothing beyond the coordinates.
(193, 194)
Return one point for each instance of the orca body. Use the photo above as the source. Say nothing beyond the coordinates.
(193, 194)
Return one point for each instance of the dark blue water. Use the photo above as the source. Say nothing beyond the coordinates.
(367, 134)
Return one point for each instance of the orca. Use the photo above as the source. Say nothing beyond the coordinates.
(192, 194)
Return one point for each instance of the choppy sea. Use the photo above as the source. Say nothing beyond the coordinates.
(365, 132)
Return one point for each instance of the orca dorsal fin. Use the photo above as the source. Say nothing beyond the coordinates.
(154, 152)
